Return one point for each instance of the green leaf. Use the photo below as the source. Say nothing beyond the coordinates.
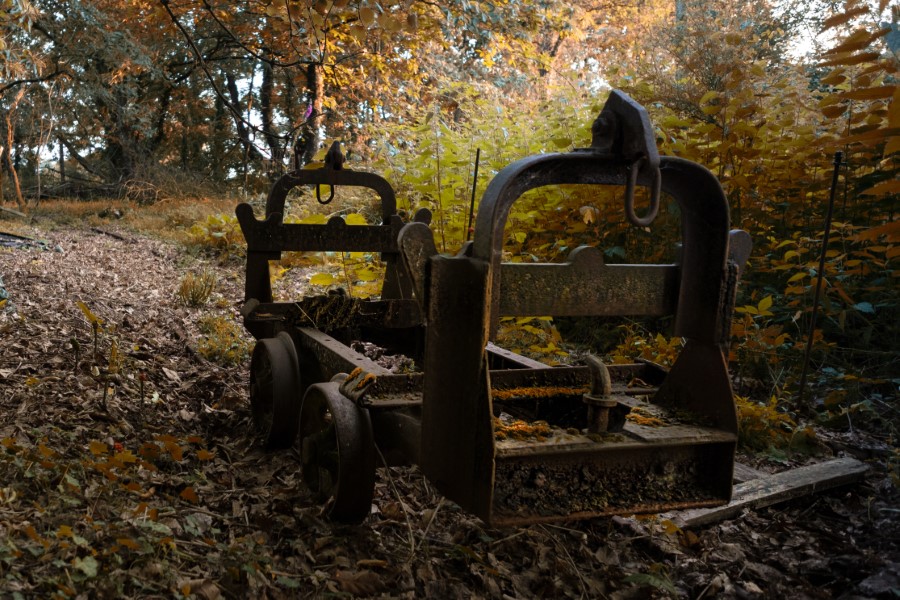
(87, 565)
(287, 582)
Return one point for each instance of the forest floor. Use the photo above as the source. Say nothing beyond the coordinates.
(129, 467)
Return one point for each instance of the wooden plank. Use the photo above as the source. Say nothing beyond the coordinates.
(772, 489)
(744, 473)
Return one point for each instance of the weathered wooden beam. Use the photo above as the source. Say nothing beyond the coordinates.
(744, 473)
(772, 489)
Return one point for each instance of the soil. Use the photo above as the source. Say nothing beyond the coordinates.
(129, 467)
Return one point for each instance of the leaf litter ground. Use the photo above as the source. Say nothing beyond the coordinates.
(135, 472)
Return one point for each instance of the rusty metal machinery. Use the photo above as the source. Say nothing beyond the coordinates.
(612, 439)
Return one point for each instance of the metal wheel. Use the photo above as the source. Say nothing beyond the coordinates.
(338, 452)
(275, 392)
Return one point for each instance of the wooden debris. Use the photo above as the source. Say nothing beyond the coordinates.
(744, 473)
(772, 489)
(13, 211)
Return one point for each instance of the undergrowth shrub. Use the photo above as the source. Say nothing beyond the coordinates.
(196, 288)
(223, 341)
(219, 234)
(535, 337)
(762, 427)
(641, 344)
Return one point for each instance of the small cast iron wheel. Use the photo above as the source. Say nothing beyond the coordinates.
(275, 392)
(337, 450)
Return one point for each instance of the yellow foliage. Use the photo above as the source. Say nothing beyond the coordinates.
(223, 341)
(196, 288)
(658, 349)
(762, 426)
(219, 233)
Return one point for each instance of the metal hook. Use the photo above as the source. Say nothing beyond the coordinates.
(654, 195)
(319, 197)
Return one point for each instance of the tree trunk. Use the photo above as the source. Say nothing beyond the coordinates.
(220, 130)
(62, 163)
(266, 93)
(250, 150)
(310, 138)
(10, 142)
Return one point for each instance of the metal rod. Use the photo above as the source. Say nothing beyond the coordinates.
(819, 280)
(472, 202)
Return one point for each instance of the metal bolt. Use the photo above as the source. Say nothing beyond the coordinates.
(599, 400)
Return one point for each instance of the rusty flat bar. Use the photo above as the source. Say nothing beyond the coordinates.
(585, 286)
(385, 313)
(546, 483)
(512, 359)
(272, 235)
(334, 356)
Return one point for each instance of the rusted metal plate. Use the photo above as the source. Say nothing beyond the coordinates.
(335, 311)
(457, 435)
(271, 235)
(585, 286)
(609, 479)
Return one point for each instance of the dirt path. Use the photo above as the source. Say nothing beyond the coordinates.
(134, 472)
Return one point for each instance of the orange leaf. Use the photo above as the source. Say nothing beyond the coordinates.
(175, 451)
(834, 111)
(835, 77)
(851, 42)
(190, 495)
(45, 451)
(891, 230)
(851, 59)
(891, 186)
(149, 450)
(125, 456)
(892, 146)
(205, 455)
(868, 136)
(870, 93)
(128, 543)
(98, 448)
(841, 18)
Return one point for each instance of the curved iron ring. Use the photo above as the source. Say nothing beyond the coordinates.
(655, 186)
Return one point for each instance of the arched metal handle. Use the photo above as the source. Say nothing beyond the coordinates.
(630, 186)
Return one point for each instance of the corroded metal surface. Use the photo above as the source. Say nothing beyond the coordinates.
(267, 238)
(585, 286)
(275, 390)
(654, 462)
(337, 451)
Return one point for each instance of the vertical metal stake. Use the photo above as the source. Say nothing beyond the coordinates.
(819, 277)
(472, 202)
